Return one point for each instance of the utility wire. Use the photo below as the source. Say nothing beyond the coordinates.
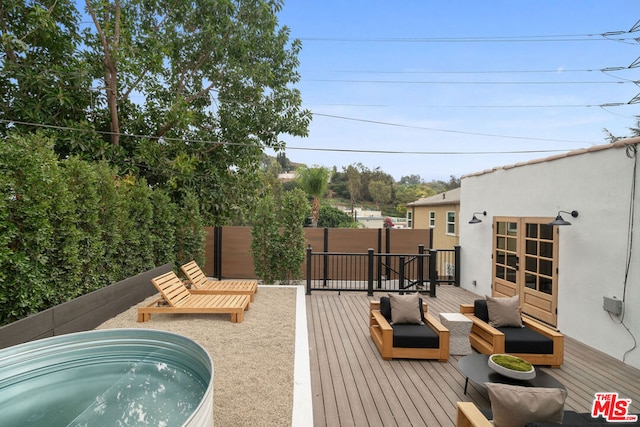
(339, 150)
(465, 106)
(450, 130)
(604, 37)
(557, 71)
(423, 153)
(464, 82)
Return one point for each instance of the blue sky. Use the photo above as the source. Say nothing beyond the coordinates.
(483, 81)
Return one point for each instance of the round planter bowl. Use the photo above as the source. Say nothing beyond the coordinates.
(510, 373)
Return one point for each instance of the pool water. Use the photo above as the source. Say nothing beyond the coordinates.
(126, 377)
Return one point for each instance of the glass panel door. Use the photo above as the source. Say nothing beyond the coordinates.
(505, 258)
(525, 256)
(539, 293)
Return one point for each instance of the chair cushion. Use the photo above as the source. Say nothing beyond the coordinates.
(504, 311)
(480, 310)
(526, 340)
(385, 309)
(516, 405)
(414, 336)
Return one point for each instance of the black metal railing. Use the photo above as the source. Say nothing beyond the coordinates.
(370, 271)
(448, 266)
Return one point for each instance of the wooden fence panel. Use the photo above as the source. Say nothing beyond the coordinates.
(406, 240)
(236, 261)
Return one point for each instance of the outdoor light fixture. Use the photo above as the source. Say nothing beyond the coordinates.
(475, 219)
(560, 221)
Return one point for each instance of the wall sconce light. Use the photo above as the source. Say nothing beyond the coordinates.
(561, 221)
(475, 219)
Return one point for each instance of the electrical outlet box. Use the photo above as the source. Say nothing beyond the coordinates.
(612, 305)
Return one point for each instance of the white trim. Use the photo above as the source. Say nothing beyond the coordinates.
(302, 414)
(302, 398)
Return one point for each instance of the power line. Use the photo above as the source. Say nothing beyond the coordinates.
(480, 39)
(463, 82)
(424, 153)
(556, 71)
(325, 149)
(467, 106)
(377, 122)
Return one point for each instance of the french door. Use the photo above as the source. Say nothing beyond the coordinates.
(525, 259)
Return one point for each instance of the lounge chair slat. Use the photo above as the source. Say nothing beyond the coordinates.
(180, 300)
(200, 282)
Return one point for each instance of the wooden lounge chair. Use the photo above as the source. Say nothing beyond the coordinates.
(199, 281)
(176, 298)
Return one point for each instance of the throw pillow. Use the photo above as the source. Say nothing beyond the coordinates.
(504, 311)
(405, 308)
(514, 405)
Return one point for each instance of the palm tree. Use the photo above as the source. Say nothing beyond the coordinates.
(314, 182)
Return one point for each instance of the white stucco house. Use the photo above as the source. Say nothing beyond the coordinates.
(562, 273)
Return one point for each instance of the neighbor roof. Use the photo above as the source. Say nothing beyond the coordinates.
(450, 197)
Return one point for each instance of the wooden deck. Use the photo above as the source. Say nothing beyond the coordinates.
(353, 386)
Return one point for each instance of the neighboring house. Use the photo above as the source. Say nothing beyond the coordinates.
(287, 176)
(440, 213)
(369, 218)
(565, 275)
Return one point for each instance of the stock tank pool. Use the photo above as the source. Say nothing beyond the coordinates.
(126, 377)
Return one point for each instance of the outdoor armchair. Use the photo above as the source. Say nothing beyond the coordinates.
(536, 342)
(427, 338)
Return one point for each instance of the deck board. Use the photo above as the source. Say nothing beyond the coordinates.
(353, 386)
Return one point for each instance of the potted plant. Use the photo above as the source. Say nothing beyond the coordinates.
(512, 366)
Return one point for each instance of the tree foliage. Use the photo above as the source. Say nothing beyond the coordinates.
(380, 192)
(331, 217)
(185, 95)
(43, 78)
(389, 196)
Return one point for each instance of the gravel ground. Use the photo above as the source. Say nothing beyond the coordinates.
(252, 360)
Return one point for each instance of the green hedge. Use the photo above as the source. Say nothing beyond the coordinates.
(69, 227)
(278, 244)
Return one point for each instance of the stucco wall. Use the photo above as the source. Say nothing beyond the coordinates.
(592, 251)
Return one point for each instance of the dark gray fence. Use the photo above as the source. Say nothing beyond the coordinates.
(83, 313)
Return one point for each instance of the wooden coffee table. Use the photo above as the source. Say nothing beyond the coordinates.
(476, 368)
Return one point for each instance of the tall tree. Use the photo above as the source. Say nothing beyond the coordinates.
(209, 81)
(184, 94)
(410, 180)
(380, 192)
(354, 184)
(314, 182)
